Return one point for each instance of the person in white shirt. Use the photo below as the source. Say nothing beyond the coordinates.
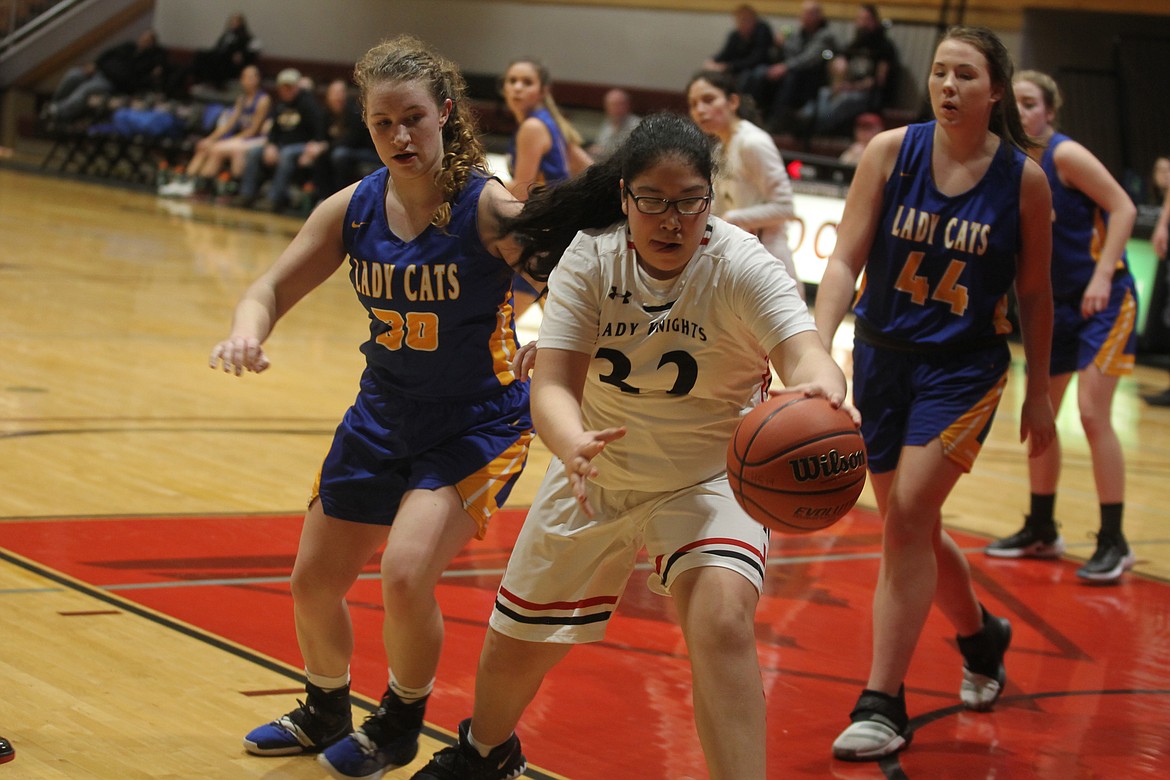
(656, 339)
(752, 188)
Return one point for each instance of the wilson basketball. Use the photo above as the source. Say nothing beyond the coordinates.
(796, 464)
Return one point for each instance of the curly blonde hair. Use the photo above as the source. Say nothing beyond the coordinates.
(406, 58)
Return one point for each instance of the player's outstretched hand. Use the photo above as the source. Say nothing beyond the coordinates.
(579, 464)
(237, 355)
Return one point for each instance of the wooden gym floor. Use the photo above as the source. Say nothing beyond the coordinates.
(149, 514)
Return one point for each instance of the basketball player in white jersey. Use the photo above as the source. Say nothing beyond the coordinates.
(656, 340)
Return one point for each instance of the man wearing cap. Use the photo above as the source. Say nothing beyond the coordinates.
(297, 119)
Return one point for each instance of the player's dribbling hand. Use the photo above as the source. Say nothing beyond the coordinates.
(579, 464)
(835, 398)
(237, 355)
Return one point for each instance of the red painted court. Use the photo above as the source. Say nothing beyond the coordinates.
(1088, 693)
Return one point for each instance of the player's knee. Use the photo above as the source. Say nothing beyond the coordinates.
(724, 635)
(1095, 422)
(904, 528)
(403, 587)
(310, 584)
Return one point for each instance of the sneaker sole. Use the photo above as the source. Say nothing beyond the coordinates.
(1039, 552)
(400, 760)
(895, 745)
(291, 750)
(1113, 574)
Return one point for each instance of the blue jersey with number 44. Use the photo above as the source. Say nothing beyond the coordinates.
(940, 266)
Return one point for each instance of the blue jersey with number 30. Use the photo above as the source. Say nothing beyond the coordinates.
(440, 305)
(940, 266)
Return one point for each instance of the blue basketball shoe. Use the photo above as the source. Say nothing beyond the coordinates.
(316, 724)
(386, 740)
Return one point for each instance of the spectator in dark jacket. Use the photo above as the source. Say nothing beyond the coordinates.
(348, 151)
(231, 53)
(297, 121)
(861, 78)
(797, 68)
(128, 68)
(746, 46)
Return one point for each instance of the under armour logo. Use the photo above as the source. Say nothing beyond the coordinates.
(613, 293)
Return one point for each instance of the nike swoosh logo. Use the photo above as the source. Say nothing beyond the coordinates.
(356, 225)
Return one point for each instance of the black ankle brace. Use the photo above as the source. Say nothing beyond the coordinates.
(875, 705)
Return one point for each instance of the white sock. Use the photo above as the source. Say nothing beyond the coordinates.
(480, 748)
(408, 695)
(328, 684)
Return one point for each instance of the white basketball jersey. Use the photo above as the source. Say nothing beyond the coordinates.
(676, 362)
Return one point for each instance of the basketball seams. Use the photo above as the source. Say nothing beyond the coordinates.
(793, 503)
(837, 488)
(793, 448)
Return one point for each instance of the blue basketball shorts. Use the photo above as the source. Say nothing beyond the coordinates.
(387, 445)
(1108, 339)
(908, 399)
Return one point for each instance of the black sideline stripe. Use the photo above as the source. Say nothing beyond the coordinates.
(209, 639)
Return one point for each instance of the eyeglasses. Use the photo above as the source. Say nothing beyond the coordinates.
(685, 206)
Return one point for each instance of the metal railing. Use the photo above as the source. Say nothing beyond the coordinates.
(21, 18)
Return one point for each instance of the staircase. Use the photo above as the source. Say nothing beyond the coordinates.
(39, 39)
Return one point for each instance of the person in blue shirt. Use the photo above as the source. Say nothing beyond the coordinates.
(945, 218)
(440, 428)
(1094, 334)
(545, 148)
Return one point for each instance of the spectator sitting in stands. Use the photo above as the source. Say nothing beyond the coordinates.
(349, 152)
(860, 78)
(241, 131)
(865, 127)
(796, 70)
(746, 46)
(296, 121)
(232, 52)
(128, 68)
(618, 124)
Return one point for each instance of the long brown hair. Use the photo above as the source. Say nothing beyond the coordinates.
(406, 58)
(567, 130)
(1005, 115)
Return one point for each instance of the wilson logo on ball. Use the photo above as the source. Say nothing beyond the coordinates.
(796, 464)
(827, 465)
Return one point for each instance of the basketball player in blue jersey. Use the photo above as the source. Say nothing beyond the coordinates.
(545, 148)
(655, 342)
(944, 217)
(1094, 335)
(440, 428)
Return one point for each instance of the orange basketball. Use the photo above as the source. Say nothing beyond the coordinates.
(796, 464)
